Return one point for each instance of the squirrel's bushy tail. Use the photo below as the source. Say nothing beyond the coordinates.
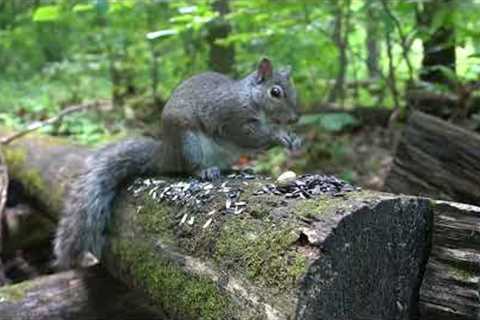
(87, 207)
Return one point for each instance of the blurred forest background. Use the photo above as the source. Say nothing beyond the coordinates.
(359, 67)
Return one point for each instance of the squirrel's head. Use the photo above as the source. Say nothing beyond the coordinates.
(275, 92)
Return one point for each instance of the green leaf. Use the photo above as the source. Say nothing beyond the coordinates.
(83, 7)
(117, 6)
(447, 72)
(46, 13)
(332, 122)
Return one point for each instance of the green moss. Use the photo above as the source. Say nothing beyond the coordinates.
(179, 294)
(15, 157)
(258, 209)
(31, 178)
(325, 205)
(265, 253)
(461, 273)
(14, 293)
(316, 207)
(154, 218)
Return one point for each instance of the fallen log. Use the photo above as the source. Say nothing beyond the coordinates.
(44, 166)
(438, 160)
(444, 105)
(358, 255)
(26, 229)
(364, 115)
(451, 285)
(72, 295)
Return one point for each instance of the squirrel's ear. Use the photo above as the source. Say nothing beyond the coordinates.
(265, 70)
(286, 71)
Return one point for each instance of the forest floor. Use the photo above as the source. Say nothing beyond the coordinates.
(362, 157)
(367, 157)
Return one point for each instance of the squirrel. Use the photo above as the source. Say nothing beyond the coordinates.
(209, 121)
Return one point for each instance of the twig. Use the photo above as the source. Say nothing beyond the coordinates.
(37, 125)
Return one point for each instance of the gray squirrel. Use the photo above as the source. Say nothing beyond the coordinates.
(208, 122)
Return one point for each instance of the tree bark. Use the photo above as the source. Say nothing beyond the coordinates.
(72, 295)
(221, 57)
(438, 160)
(340, 37)
(451, 286)
(372, 42)
(360, 256)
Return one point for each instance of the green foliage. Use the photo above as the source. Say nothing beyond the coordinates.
(58, 52)
(47, 13)
(332, 122)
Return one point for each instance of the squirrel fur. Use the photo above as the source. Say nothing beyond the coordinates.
(208, 122)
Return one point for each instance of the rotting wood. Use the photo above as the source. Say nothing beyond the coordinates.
(438, 160)
(451, 286)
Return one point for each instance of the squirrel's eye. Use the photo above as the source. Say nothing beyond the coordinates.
(276, 92)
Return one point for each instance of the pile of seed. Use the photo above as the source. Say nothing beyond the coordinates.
(308, 186)
(195, 194)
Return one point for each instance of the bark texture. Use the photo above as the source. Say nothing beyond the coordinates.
(438, 160)
(451, 286)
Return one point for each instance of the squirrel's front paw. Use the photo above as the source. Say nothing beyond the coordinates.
(289, 140)
(210, 174)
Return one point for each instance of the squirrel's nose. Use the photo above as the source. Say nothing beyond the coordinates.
(294, 118)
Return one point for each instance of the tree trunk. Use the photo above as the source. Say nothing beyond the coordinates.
(439, 47)
(221, 57)
(438, 160)
(357, 256)
(372, 41)
(451, 286)
(340, 37)
(82, 294)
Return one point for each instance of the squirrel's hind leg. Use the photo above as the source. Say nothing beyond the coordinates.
(210, 174)
(199, 158)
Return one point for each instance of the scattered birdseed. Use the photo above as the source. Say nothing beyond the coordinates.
(195, 194)
(308, 186)
(209, 221)
(184, 218)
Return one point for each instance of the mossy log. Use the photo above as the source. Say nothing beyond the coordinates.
(359, 256)
(438, 160)
(26, 228)
(44, 166)
(85, 294)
